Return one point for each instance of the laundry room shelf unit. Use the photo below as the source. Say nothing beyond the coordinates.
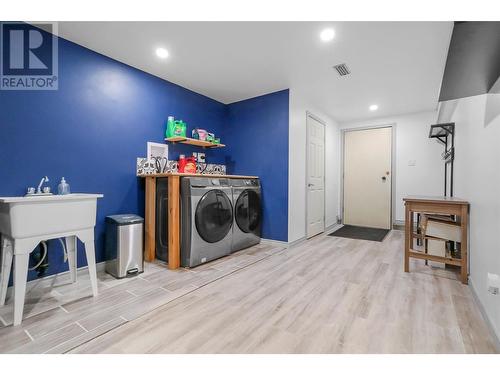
(194, 142)
(174, 217)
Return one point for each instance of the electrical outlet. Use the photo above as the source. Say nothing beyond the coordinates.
(493, 290)
(493, 283)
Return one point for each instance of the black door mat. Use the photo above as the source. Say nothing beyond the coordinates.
(361, 233)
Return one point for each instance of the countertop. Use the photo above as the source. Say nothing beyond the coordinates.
(196, 175)
(437, 199)
(49, 198)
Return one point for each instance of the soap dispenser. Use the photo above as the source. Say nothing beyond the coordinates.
(63, 187)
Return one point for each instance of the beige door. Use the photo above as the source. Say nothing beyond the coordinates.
(315, 177)
(367, 177)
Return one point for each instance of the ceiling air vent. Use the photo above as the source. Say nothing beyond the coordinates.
(342, 69)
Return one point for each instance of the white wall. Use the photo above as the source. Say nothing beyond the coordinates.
(299, 105)
(477, 179)
(412, 143)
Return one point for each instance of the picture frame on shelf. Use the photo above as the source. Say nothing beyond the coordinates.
(157, 150)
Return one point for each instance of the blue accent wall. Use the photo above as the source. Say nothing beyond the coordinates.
(91, 131)
(257, 144)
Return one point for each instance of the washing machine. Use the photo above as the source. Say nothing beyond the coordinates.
(206, 219)
(247, 213)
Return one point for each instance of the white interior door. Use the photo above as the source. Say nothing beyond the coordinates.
(367, 177)
(315, 177)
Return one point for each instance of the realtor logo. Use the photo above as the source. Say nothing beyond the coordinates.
(28, 56)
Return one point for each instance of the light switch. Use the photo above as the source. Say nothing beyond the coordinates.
(412, 163)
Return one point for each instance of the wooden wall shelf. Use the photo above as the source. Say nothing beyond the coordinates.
(194, 142)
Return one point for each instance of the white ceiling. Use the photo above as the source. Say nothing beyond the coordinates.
(397, 65)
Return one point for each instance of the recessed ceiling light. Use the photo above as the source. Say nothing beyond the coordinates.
(327, 35)
(162, 53)
(373, 107)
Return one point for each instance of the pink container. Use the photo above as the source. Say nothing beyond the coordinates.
(202, 134)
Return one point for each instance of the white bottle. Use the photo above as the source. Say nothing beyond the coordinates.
(63, 187)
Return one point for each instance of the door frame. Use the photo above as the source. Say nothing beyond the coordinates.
(393, 127)
(322, 122)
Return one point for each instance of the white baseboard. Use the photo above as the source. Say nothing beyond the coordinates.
(333, 227)
(327, 230)
(491, 326)
(297, 242)
(275, 242)
(399, 223)
(283, 243)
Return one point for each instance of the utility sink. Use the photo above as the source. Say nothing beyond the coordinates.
(25, 221)
(36, 215)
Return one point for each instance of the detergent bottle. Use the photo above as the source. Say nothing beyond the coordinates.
(169, 132)
(190, 166)
(181, 163)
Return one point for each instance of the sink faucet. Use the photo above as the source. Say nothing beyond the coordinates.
(43, 180)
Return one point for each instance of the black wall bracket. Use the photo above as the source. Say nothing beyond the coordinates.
(445, 134)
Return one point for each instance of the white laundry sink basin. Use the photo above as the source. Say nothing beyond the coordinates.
(40, 215)
(25, 221)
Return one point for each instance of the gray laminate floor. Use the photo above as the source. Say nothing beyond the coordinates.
(60, 316)
(326, 295)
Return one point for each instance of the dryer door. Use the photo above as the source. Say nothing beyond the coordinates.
(247, 212)
(214, 216)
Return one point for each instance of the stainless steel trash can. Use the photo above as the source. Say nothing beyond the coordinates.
(124, 245)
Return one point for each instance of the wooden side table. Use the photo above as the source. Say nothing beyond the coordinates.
(443, 206)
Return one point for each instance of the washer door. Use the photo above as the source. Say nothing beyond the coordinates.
(214, 216)
(247, 211)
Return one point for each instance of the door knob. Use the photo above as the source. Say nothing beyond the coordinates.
(384, 178)
(309, 185)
